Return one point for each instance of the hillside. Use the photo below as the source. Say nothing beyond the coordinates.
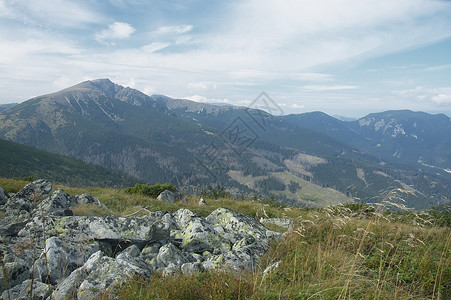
(345, 251)
(160, 139)
(19, 160)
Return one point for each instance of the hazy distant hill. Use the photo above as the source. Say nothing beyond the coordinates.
(415, 138)
(310, 159)
(19, 161)
(6, 106)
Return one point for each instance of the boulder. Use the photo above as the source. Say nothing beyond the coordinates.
(196, 233)
(58, 204)
(16, 272)
(2, 197)
(68, 288)
(23, 291)
(167, 196)
(282, 222)
(34, 190)
(107, 274)
(59, 258)
(202, 201)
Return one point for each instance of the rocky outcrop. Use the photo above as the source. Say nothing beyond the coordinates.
(82, 256)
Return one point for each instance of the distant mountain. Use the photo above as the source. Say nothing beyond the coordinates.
(310, 159)
(6, 106)
(414, 138)
(19, 161)
(343, 118)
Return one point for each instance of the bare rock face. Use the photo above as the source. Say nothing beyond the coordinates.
(78, 257)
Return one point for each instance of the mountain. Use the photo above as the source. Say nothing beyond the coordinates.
(193, 145)
(19, 160)
(414, 138)
(6, 106)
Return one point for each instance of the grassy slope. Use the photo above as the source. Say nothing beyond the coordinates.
(339, 252)
(20, 160)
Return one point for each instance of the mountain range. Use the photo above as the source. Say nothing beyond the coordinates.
(307, 159)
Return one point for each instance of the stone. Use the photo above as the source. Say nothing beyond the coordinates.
(2, 197)
(57, 204)
(167, 196)
(68, 288)
(59, 258)
(16, 272)
(202, 201)
(171, 255)
(282, 222)
(191, 268)
(196, 233)
(22, 291)
(107, 274)
(34, 190)
(179, 197)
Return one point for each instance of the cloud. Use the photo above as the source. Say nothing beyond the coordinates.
(173, 30)
(116, 31)
(321, 88)
(50, 12)
(202, 86)
(441, 99)
(297, 106)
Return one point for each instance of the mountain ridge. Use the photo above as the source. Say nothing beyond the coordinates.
(158, 139)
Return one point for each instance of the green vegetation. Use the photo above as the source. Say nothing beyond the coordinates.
(350, 251)
(17, 160)
(215, 192)
(150, 190)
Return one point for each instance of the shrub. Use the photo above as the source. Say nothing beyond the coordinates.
(150, 190)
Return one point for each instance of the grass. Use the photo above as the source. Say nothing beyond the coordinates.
(350, 251)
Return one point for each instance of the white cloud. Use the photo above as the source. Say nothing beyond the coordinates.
(173, 30)
(321, 88)
(297, 106)
(50, 12)
(116, 31)
(442, 99)
(153, 47)
(202, 86)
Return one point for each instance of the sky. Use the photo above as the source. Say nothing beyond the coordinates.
(342, 57)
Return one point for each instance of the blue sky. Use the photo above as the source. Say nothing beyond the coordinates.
(343, 57)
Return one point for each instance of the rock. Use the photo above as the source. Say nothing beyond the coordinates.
(22, 291)
(60, 258)
(2, 197)
(191, 268)
(196, 233)
(179, 197)
(68, 288)
(58, 204)
(87, 228)
(87, 199)
(107, 274)
(167, 196)
(16, 272)
(34, 190)
(202, 202)
(282, 222)
(171, 255)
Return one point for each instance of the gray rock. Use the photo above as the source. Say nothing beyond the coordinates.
(202, 201)
(68, 288)
(171, 255)
(87, 228)
(22, 291)
(59, 258)
(179, 197)
(191, 268)
(36, 189)
(107, 274)
(58, 204)
(87, 199)
(2, 197)
(16, 272)
(167, 196)
(283, 222)
(196, 233)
